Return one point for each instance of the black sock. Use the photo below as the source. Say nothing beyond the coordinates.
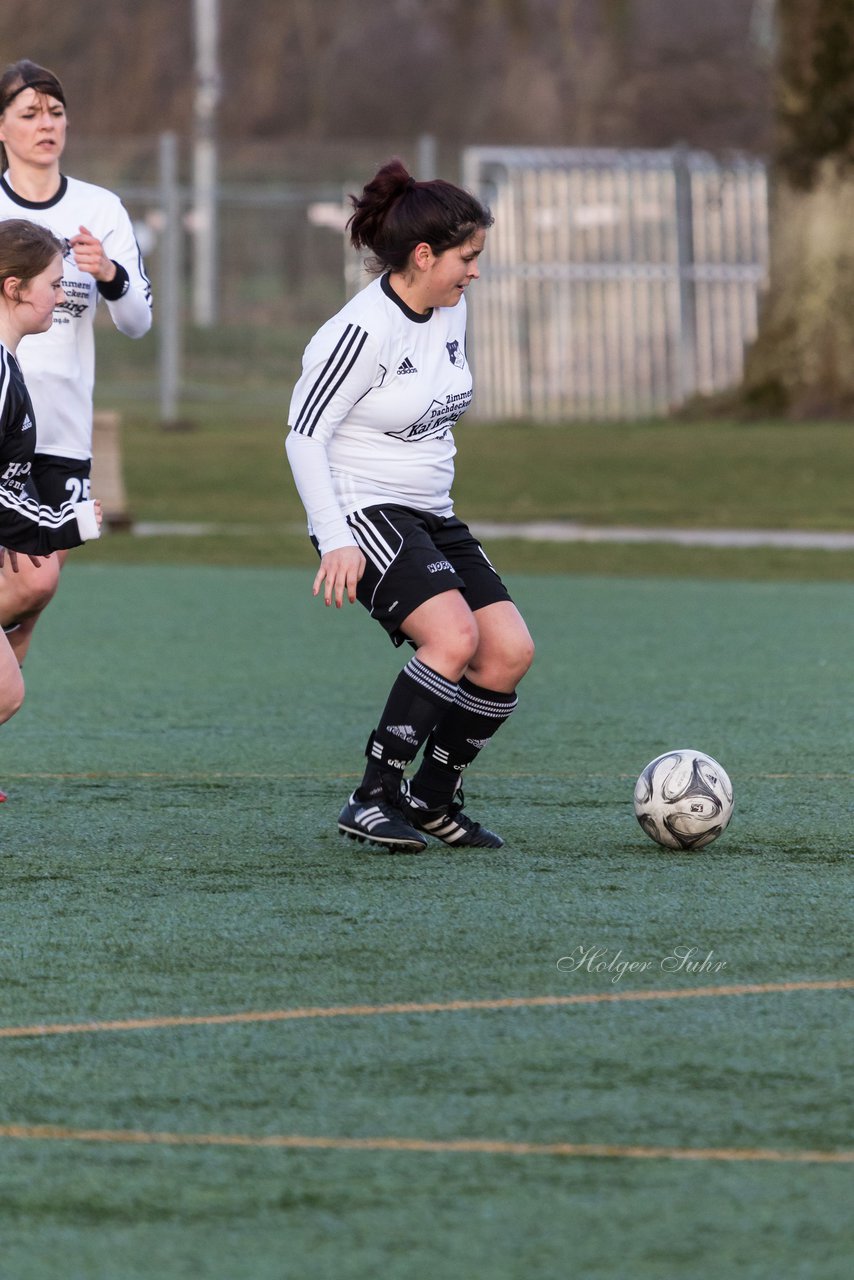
(418, 699)
(459, 736)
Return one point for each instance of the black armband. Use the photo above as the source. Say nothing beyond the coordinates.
(116, 288)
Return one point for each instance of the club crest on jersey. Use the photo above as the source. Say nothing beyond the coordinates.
(455, 354)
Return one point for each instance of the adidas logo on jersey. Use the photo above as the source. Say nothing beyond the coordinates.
(406, 366)
(27, 423)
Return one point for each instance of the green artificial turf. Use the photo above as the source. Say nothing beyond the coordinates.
(169, 849)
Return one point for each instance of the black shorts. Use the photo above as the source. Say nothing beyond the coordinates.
(412, 556)
(59, 480)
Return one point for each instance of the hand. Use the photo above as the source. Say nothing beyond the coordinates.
(13, 558)
(89, 256)
(99, 514)
(341, 571)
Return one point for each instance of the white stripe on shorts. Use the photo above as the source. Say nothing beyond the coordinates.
(371, 542)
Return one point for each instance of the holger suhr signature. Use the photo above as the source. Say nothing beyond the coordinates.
(616, 965)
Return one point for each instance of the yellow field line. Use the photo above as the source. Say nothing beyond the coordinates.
(415, 1007)
(464, 1146)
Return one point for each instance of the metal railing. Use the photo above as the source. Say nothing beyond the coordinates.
(617, 284)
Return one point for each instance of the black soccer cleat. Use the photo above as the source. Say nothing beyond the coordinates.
(448, 823)
(379, 823)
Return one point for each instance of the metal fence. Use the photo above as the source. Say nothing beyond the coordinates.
(617, 284)
(280, 263)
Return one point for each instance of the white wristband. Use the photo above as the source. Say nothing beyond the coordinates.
(87, 522)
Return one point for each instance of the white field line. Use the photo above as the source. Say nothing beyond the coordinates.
(555, 531)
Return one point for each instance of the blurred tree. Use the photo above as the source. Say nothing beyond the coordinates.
(509, 72)
(802, 363)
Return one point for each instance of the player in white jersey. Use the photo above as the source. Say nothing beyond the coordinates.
(371, 448)
(101, 262)
(30, 288)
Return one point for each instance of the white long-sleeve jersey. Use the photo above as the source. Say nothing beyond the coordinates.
(59, 365)
(372, 415)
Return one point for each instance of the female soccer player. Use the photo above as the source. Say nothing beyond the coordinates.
(371, 448)
(101, 260)
(30, 288)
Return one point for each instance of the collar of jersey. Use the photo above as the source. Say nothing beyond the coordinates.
(35, 204)
(417, 317)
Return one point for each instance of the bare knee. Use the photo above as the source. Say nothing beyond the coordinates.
(36, 594)
(450, 649)
(458, 647)
(518, 663)
(503, 666)
(506, 649)
(462, 641)
(11, 696)
(26, 594)
(445, 632)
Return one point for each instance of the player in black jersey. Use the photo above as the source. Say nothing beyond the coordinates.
(30, 288)
(371, 448)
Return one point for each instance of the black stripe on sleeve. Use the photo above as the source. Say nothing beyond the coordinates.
(337, 368)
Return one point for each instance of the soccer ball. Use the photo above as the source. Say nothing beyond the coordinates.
(683, 799)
